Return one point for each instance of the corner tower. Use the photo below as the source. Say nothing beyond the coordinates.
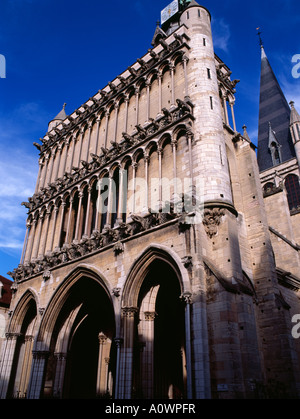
(203, 91)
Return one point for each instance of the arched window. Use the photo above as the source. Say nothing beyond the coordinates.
(293, 191)
(275, 152)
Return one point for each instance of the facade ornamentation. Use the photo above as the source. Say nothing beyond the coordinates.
(212, 219)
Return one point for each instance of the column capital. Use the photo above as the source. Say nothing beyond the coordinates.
(129, 312)
(150, 315)
(187, 297)
(102, 338)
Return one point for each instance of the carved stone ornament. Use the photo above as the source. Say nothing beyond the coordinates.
(212, 219)
(46, 275)
(116, 292)
(118, 248)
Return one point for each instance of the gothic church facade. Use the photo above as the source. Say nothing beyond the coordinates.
(153, 263)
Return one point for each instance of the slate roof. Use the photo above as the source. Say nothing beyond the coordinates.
(274, 109)
(6, 292)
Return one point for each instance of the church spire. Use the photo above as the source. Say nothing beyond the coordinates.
(274, 111)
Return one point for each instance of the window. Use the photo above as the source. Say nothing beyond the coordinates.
(275, 152)
(293, 191)
(211, 103)
(208, 73)
(204, 42)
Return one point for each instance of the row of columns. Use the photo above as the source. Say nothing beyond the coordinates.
(55, 162)
(35, 243)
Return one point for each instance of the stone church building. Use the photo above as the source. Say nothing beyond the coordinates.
(161, 255)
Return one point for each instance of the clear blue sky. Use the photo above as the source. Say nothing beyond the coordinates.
(65, 51)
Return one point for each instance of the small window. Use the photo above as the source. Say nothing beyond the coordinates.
(204, 42)
(211, 103)
(293, 191)
(199, 13)
(208, 73)
(187, 15)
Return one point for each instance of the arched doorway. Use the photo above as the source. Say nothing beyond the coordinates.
(81, 361)
(17, 354)
(159, 366)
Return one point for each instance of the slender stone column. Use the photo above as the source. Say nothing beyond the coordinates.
(148, 355)
(45, 235)
(172, 69)
(80, 148)
(60, 228)
(134, 168)
(106, 128)
(137, 95)
(160, 154)
(63, 206)
(159, 75)
(44, 174)
(68, 233)
(37, 237)
(28, 225)
(78, 216)
(53, 229)
(126, 113)
(59, 148)
(50, 169)
(88, 218)
(148, 84)
(174, 152)
(147, 160)
(37, 187)
(89, 142)
(118, 343)
(74, 139)
(116, 121)
(7, 361)
(188, 301)
(97, 135)
(186, 85)
(61, 360)
(37, 374)
(64, 165)
(125, 384)
(231, 103)
(102, 341)
(28, 254)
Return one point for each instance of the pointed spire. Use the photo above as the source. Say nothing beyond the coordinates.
(274, 110)
(245, 134)
(62, 114)
(295, 117)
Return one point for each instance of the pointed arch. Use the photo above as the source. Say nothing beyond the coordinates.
(141, 266)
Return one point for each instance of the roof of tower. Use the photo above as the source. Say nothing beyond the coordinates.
(61, 115)
(274, 110)
(295, 117)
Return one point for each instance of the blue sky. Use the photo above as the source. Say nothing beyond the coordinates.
(61, 51)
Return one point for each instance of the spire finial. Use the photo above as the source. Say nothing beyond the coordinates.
(259, 36)
(64, 106)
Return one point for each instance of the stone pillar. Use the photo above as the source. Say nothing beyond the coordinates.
(118, 343)
(101, 382)
(28, 225)
(187, 296)
(53, 230)
(37, 374)
(147, 366)
(45, 233)
(126, 365)
(61, 360)
(28, 253)
(7, 358)
(77, 232)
